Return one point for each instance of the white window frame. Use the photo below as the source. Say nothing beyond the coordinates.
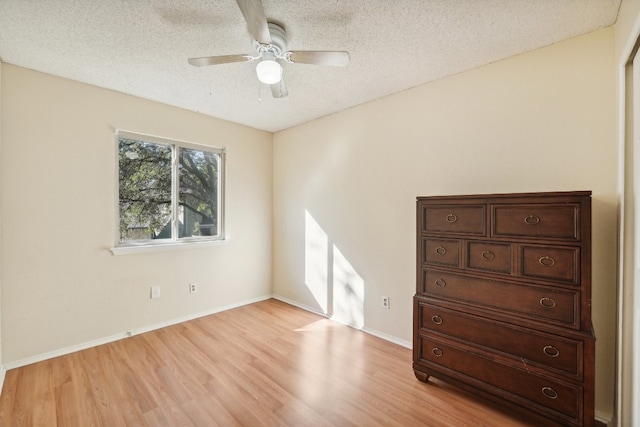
(153, 245)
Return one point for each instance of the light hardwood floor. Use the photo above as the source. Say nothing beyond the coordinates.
(264, 364)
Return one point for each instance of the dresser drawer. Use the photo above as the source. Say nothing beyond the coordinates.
(535, 302)
(456, 219)
(489, 256)
(548, 221)
(509, 381)
(562, 354)
(551, 263)
(441, 251)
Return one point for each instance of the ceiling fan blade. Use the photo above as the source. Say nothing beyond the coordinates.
(256, 20)
(336, 59)
(216, 60)
(279, 90)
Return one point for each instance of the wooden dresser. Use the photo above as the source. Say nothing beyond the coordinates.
(503, 301)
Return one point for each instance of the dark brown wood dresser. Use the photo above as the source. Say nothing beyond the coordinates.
(503, 301)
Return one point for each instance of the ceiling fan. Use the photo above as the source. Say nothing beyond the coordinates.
(270, 43)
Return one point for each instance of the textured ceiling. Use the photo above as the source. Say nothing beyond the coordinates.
(141, 47)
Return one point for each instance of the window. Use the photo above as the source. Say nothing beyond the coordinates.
(168, 191)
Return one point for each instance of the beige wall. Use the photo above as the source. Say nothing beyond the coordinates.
(61, 286)
(542, 121)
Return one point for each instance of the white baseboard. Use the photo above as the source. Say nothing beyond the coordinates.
(387, 337)
(604, 418)
(2, 373)
(301, 306)
(369, 331)
(105, 340)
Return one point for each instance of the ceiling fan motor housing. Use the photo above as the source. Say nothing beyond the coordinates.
(278, 45)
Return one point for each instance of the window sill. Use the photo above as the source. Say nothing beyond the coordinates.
(164, 247)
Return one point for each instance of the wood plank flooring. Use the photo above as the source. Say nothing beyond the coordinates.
(264, 364)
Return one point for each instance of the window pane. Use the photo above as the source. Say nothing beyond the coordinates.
(198, 195)
(145, 190)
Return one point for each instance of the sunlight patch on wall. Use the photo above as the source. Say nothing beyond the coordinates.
(331, 278)
(316, 261)
(348, 292)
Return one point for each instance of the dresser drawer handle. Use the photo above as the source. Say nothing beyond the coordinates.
(436, 319)
(436, 352)
(551, 351)
(488, 255)
(440, 250)
(549, 392)
(547, 302)
(451, 218)
(547, 261)
(440, 283)
(531, 220)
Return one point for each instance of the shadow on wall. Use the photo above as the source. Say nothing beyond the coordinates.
(330, 277)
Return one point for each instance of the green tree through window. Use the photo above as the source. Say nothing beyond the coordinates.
(198, 190)
(160, 202)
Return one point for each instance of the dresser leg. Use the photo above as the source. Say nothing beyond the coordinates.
(421, 376)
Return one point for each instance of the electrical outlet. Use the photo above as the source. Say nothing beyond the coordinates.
(155, 292)
(193, 287)
(385, 302)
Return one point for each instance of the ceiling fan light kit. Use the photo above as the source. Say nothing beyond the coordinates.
(270, 43)
(269, 71)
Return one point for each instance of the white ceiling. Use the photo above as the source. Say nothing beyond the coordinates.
(141, 47)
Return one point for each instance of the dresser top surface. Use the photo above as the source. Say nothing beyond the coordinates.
(507, 195)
